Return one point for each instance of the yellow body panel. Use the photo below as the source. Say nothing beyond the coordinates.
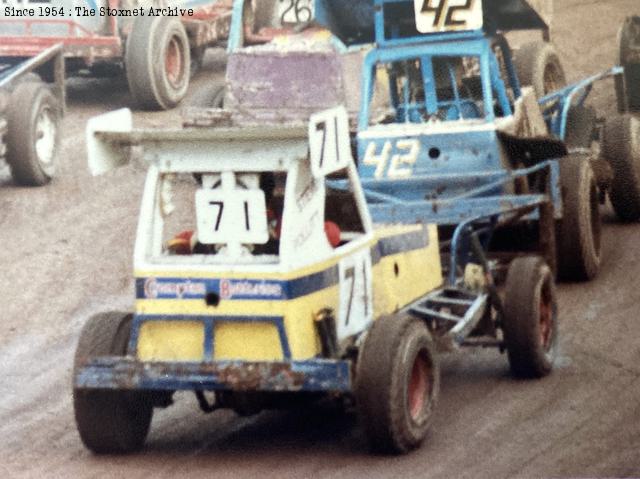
(418, 272)
(245, 340)
(248, 341)
(299, 321)
(398, 279)
(171, 341)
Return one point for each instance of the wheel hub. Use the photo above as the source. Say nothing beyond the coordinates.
(45, 137)
(546, 323)
(174, 62)
(419, 387)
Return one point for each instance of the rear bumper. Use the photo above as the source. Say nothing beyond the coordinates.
(129, 374)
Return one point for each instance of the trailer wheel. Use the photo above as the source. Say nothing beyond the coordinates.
(398, 381)
(538, 65)
(628, 92)
(157, 60)
(109, 421)
(579, 230)
(530, 322)
(33, 116)
(621, 148)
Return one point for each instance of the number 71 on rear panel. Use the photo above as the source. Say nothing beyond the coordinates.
(433, 16)
(231, 215)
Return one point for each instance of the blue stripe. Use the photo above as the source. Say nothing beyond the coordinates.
(260, 290)
(404, 243)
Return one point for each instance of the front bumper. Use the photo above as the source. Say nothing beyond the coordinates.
(126, 373)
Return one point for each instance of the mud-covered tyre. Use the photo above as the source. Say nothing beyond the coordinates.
(397, 383)
(530, 322)
(579, 231)
(157, 61)
(109, 421)
(628, 92)
(621, 148)
(538, 65)
(33, 133)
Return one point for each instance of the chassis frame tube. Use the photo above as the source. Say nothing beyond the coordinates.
(54, 55)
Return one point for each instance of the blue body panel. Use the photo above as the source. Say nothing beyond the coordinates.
(439, 154)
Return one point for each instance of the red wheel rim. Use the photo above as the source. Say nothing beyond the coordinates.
(419, 386)
(546, 323)
(174, 62)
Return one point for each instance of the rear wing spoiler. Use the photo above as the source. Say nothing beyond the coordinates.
(519, 14)
(354, 22)
(325, 142)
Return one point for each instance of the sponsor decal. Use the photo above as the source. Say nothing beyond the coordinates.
(307, 195)
(156, 289)
(249, 289)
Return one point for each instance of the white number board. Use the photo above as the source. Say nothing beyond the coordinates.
(434, 16)
(356, 305)
(329, 142)
(296, 11)
(238, 216)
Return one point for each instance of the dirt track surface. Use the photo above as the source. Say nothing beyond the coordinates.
(66, 252)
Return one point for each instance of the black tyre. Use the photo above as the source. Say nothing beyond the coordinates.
(629, 40)
(538, 65)
(398, 382)
(209, 97)
(530, 322)
(197, 60)
(33, 135)
(109, 421)
(581, 127)
(579, 230)
(157, 60)
(621, 148)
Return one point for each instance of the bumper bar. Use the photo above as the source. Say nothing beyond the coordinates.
(129, 374)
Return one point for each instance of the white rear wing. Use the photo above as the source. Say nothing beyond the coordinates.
(105, 155)
(110, 138)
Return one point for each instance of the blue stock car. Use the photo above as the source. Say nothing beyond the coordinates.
(474, 128)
